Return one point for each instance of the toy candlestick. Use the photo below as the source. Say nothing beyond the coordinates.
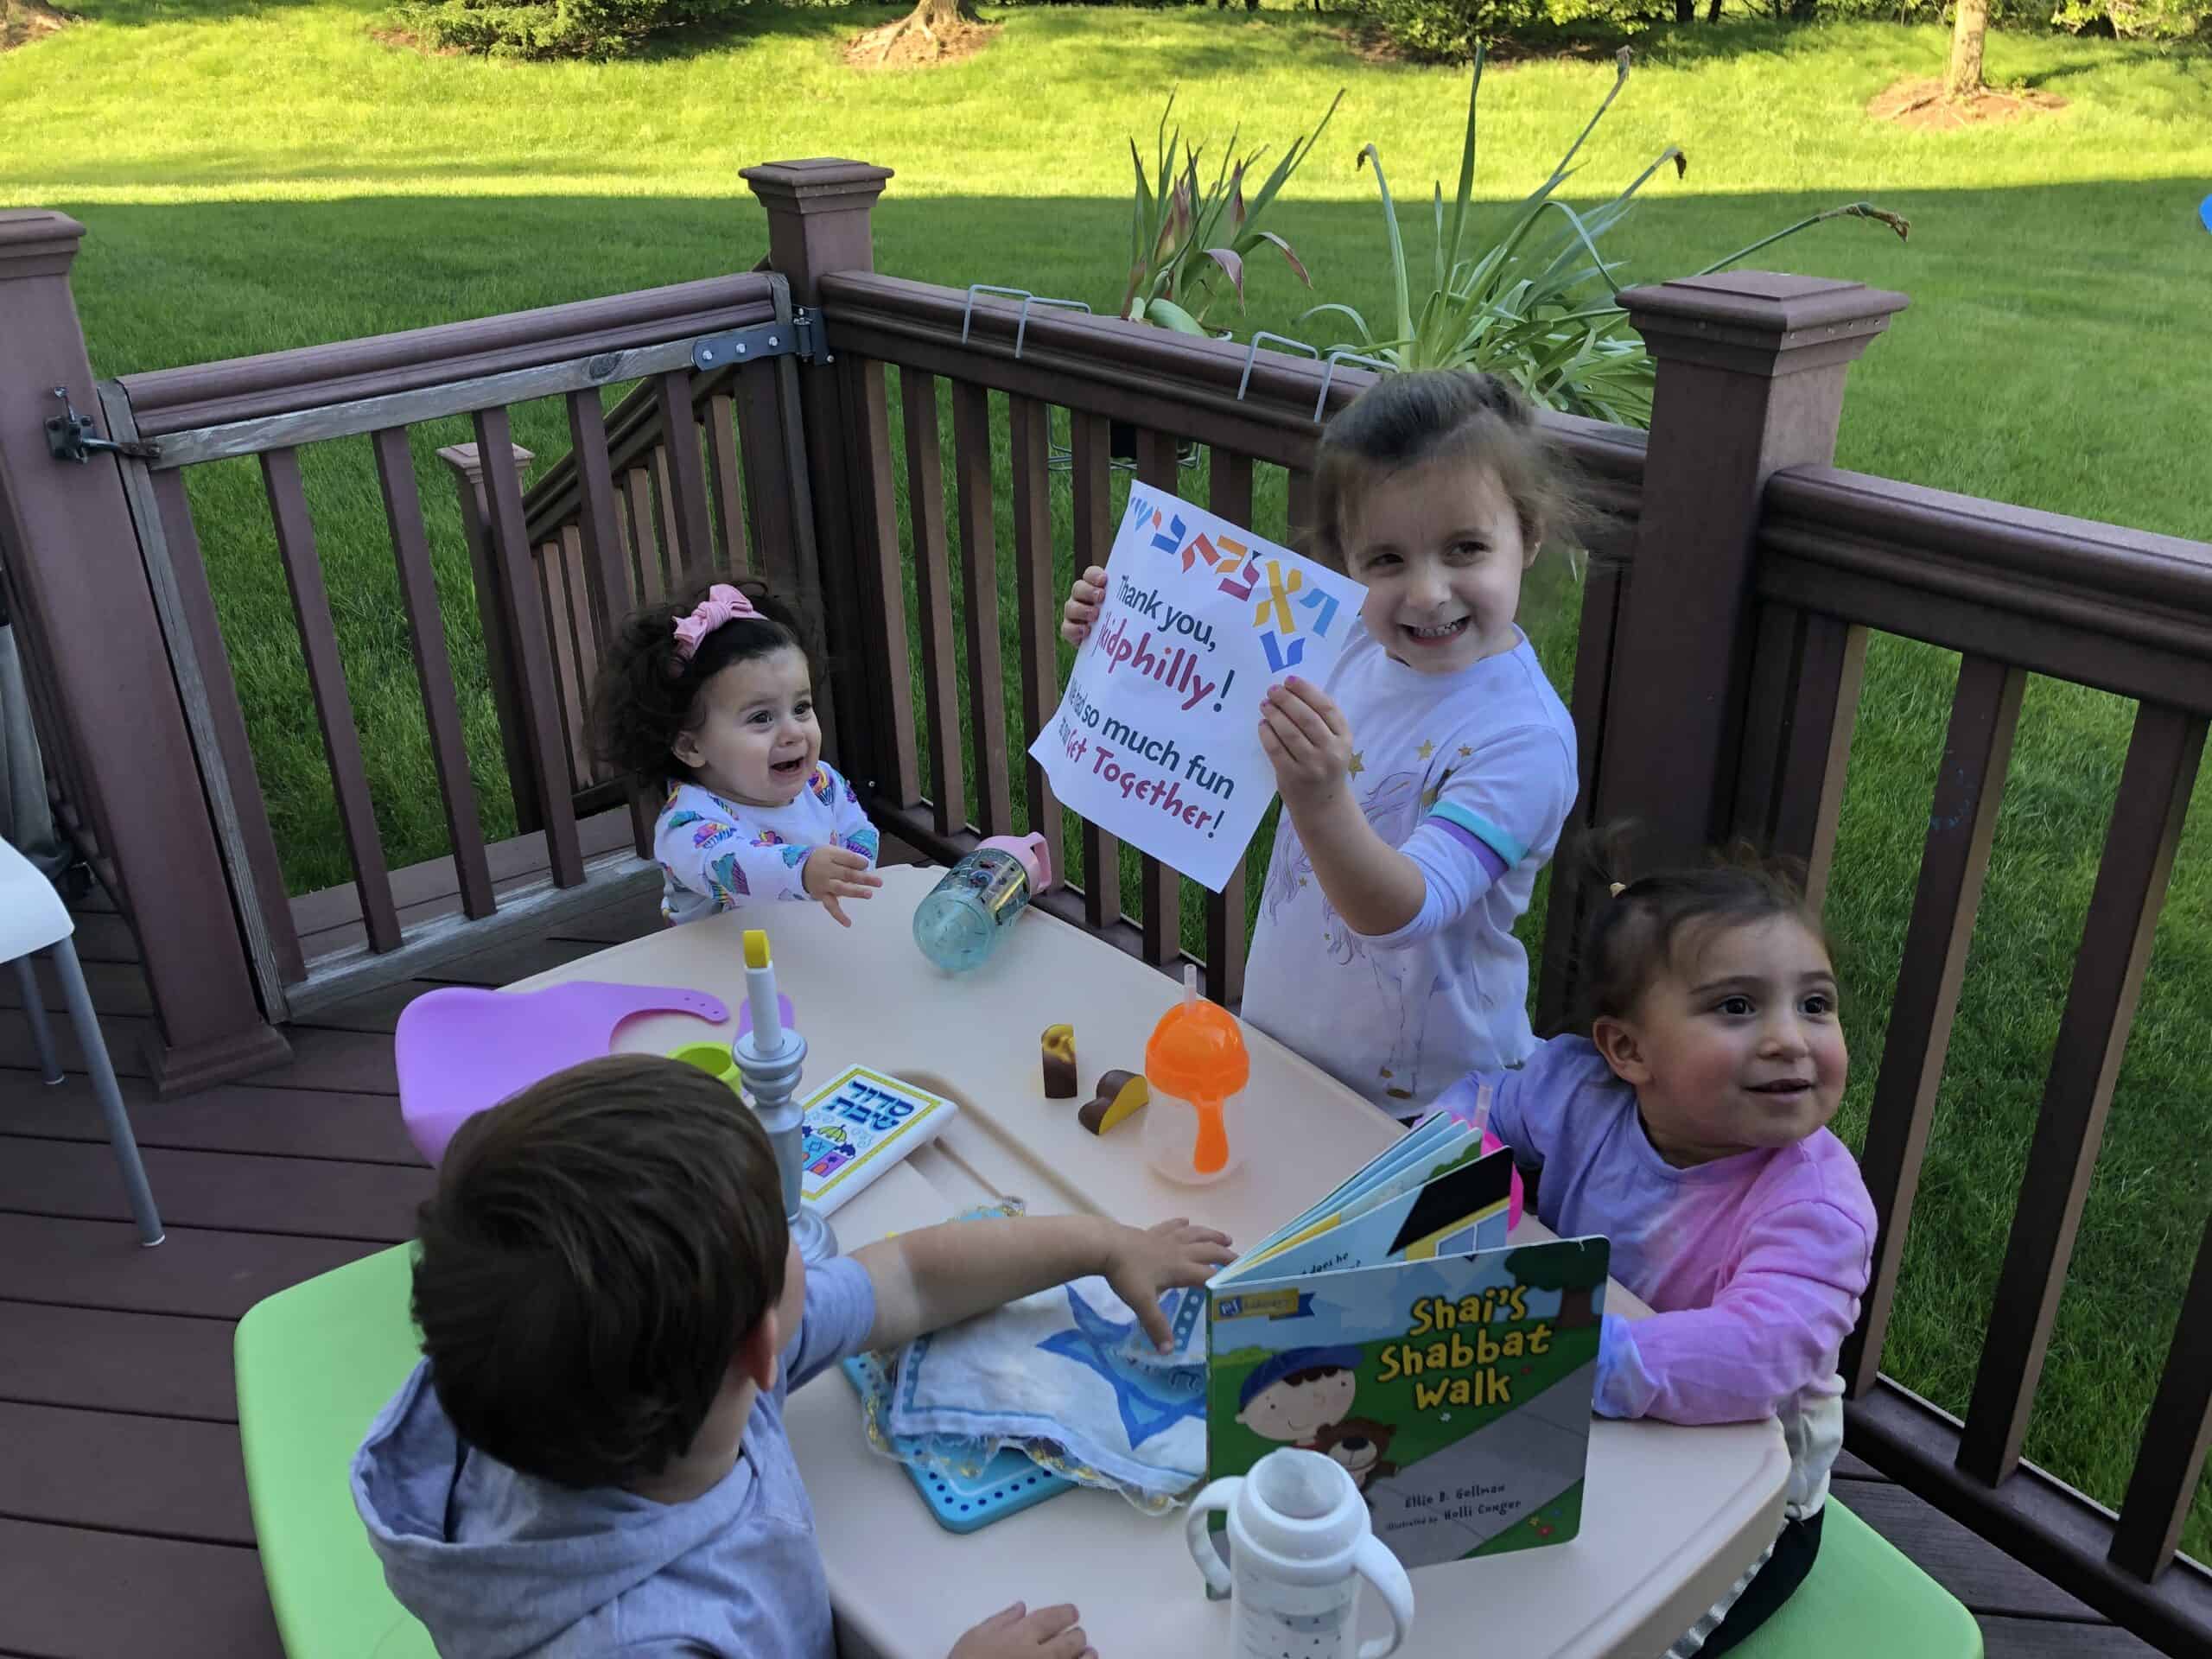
(770, 1058)
(760, 992)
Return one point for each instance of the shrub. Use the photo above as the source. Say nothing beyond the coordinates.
(2130, 20)
(544, 28)
(1450, 30)
(2147, 20)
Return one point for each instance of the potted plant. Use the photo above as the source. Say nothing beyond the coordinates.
(1539, 306)
(1188, 239)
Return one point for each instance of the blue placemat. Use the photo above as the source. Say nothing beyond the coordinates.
(1011, 1482)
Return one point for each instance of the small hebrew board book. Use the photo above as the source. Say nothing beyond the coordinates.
(1392, 1328)
(860, 1124)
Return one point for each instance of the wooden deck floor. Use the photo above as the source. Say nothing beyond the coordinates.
(123, 1527)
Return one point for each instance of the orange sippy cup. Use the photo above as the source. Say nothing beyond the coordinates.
(1197, 1068)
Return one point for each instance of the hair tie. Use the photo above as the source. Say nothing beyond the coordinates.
(1619, 887)
(723, 603)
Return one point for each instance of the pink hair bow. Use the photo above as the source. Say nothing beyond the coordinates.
(723, 603)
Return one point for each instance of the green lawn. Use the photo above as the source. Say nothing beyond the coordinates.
(259, 177)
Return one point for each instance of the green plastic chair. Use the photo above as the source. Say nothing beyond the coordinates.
(314, 1364)
(1862, 1598)
(317, 1362)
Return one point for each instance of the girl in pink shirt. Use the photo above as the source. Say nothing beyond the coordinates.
(1689, 1126)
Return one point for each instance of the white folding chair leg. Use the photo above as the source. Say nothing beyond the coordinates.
(34, 1011)
(105, 1091)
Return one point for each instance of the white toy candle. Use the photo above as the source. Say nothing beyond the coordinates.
(761, 992)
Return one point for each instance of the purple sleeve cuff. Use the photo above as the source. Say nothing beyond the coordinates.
(1485, 854)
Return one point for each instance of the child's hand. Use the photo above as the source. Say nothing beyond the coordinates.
(1307, 740)
(1083, 600)
(1017, 1633)
(1139, 1264)
(834, 872)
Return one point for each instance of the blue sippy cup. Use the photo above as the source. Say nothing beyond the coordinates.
(968, 913)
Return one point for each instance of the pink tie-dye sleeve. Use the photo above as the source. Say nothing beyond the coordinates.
(1775, 1326)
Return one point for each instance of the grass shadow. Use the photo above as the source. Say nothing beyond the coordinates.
(2195, 65)
(752, 22)
(745, 22)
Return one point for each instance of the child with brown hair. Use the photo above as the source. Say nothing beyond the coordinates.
(1687, 1122)
(1425, 784)
(711, 697)
(591, 1458)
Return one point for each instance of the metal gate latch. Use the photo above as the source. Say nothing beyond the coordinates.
(69, 435)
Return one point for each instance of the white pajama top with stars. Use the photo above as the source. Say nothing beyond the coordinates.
(1471, 775)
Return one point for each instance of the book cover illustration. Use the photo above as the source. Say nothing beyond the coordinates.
(857, 1126)
(1454, 1383)
(1435, 1192)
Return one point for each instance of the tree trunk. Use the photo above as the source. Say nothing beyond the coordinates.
(1965, 79)
(935, 14)
(927, 17)
(1686, 11)
(25, 20)
(1712, 12)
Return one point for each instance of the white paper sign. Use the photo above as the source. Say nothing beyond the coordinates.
(1157, 735)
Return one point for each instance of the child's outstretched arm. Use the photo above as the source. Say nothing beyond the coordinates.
(709, 852)
(940, 1275)
(1775, 1327)
(718, 858)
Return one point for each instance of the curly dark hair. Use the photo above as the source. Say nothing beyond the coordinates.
(596, 1249)
(1635, 934)
(1403, 420)
(648, 693)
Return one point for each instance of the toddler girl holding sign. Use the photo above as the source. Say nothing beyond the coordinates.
(1426, 783)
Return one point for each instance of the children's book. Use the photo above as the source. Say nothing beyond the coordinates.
(860, 1124)
(1392, 1328)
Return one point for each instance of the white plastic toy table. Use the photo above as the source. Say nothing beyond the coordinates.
(1670, 1518)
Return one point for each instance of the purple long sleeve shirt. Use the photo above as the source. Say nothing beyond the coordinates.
(1753, 1265)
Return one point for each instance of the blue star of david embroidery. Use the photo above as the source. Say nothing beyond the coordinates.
(1112, 1348)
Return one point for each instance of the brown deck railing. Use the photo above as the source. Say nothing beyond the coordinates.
(629, 515)
(1245, 412)
(1715, 685)
(2016, 592)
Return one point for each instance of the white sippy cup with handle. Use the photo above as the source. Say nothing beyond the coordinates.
(1300, 1543)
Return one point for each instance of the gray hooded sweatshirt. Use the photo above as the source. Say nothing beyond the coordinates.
(500, 1564)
